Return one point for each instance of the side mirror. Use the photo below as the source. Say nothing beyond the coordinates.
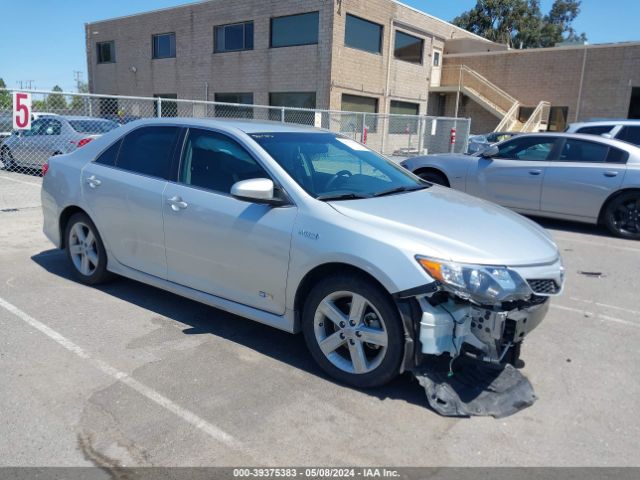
(257, 190)
(490, 152)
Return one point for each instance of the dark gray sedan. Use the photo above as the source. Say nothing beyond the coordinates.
(566, 176)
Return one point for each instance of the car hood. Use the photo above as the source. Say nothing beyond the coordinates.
(447, 224)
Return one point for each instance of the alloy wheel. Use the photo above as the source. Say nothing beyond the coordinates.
(83, 249)
(626, 216)
(350, 332)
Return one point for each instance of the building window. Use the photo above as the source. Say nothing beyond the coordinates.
(231, 111)
(403, 124)
(168, 107)
(295, 100)
(558, 119)
(408, 47)
(106, 52)
(164, 45)
(233, 38)
(436, 58)
(363, 35)
(356, 103)
(294, 30)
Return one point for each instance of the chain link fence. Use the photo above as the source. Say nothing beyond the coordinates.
(62, 122)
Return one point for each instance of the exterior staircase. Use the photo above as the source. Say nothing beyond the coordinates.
(462, 79)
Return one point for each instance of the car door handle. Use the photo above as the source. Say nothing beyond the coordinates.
(610, 173)
(535, 172)
(177, 204)
(93, 181)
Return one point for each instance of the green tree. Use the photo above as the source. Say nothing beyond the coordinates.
(56, 101)
(5, 97)
(77, 101)
(520, 23)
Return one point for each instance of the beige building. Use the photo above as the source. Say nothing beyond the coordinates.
(364, 55)
(359, 55)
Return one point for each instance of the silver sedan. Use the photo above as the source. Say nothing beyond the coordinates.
(304, 230)
(566, 176)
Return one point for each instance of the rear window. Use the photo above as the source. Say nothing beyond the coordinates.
(93, 127)
(148, 151)
(630, 134)
(595, 130)
(591, 152)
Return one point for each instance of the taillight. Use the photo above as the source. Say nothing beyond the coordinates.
(45, 168)
(84, 141)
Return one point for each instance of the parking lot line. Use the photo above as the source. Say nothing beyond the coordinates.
(595, 315)
(20, 181)
(214, 432)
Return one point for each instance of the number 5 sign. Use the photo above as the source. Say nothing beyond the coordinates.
(21, 111)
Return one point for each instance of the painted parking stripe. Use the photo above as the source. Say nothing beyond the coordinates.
(214, 432)
(20, 181)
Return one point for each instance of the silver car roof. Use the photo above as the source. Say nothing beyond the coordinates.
(246, 126)
(598, 123)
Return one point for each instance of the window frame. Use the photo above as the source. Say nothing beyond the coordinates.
(244, 36)
(395, 42)
(113, 52)
(380, 40)
(153, 45)
(271, 20)
(558, 143)
(561, 145)
(176, 149)
(179, 156)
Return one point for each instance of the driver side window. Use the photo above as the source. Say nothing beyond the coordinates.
(215, 162)
(528, 149)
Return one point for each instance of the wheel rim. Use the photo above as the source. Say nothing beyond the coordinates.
(350, 332)
(83, 249)
(626, 216)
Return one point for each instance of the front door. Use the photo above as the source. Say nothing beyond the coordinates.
(582, 178)
(123, 190)
(436, 67)
(513, 178)
(234, 249)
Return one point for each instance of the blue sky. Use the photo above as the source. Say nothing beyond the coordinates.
(47, 45)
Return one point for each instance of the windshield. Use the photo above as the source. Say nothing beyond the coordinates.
(92, 126)
(329, 166)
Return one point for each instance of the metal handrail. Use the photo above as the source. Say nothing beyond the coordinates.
(509, 119)
(537, 113)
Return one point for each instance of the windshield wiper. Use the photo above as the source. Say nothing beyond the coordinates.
(391, 191)
(342, 196)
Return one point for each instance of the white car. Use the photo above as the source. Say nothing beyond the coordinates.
(625, 130)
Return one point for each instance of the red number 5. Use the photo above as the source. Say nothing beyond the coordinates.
(22, 110)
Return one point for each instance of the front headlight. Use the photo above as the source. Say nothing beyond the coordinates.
(481, 283)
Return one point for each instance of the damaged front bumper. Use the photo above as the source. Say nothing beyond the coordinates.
(449, 325)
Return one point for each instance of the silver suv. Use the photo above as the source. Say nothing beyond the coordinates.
(625, 130)
(304, 230)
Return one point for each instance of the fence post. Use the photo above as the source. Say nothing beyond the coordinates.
(159, 107)
(364, 127)
(282, 114)
(420, 134)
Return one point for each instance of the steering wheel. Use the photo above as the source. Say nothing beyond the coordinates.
(344, 174)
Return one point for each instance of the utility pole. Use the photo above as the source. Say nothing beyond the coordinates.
(27, 83)
(78, 77)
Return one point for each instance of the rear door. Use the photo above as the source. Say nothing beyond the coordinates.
(218, 244)
(513, 178)
(582, 177)
(123, 191)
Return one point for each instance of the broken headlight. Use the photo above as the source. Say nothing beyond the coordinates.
(483, 284)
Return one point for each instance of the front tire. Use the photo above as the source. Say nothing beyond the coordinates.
(434, 177)
(85, 250)
(622, 216)
(353, 331)
(6, 159)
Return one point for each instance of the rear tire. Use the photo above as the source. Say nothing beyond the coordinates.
(85, 250)
(622, 216)
(353, 331)
(434, 177)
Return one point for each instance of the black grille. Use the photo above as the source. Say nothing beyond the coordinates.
(543, 287)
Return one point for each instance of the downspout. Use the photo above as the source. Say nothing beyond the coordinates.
(584, 64)
(385, 129)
